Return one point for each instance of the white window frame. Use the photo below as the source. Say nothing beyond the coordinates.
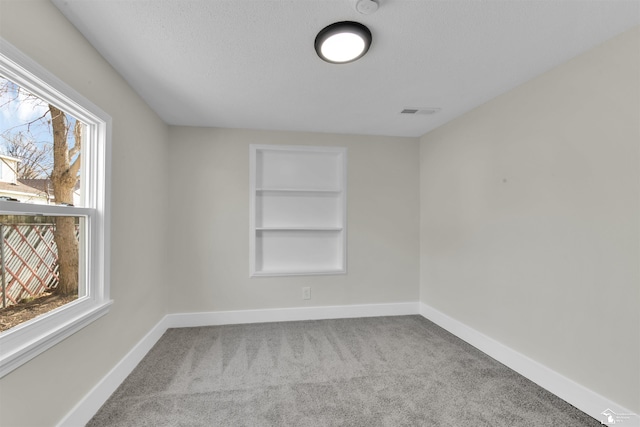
(25, 341)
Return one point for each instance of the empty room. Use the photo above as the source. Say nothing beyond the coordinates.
(319, 213)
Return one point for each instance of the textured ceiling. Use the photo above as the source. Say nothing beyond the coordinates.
(251, 64)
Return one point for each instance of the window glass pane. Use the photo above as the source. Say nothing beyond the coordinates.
(39, 265)
(40, 149)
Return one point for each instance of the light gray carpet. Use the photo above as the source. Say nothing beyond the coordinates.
(384, 371)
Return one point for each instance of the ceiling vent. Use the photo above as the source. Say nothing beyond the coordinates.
(422, 111)
(367, 7)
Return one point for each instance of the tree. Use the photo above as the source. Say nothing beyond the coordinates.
(66, 166)
(63, 173)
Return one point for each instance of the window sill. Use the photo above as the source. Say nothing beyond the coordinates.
(22, 343)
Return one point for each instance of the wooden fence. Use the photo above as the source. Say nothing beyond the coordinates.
(29, 264)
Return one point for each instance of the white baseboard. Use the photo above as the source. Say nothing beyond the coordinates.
(577, 395)
(184, 320)
(92, 401)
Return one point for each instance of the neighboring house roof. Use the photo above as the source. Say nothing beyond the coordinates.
(41, 184)
(13, 159)
(44, 184)
(23, 189)
(35, 190)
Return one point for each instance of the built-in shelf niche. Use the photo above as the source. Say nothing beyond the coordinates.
(298, 210)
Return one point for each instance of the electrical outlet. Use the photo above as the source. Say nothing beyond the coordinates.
(306, 292)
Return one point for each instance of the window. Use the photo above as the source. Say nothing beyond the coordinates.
(298, 210)
(85, 213)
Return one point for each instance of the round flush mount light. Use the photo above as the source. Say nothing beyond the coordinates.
(343, 42)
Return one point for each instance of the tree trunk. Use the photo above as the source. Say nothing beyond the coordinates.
(63, 180)
(65, 237)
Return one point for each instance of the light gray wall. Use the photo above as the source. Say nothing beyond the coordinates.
(42, 391)
(529, 219)
(210, 223)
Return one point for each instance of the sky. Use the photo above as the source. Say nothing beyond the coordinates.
(15, 113)
(21, 113)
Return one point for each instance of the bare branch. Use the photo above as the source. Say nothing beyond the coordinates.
(28, 124)
(14, 93)
(35, 160)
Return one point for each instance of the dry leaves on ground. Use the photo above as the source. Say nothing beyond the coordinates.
(20, 313)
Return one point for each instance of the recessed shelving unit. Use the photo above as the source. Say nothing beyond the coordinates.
(298, 210)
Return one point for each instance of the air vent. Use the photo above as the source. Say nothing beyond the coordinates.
(423, 111)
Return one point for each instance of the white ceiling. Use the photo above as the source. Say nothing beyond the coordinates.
(251, 63)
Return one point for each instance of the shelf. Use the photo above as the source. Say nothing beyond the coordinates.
(298, 250)
(298, 228)
(297, 210)
(267, 273)
(287, 166)
(297, 190)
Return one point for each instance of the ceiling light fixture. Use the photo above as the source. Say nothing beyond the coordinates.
(343, 42)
